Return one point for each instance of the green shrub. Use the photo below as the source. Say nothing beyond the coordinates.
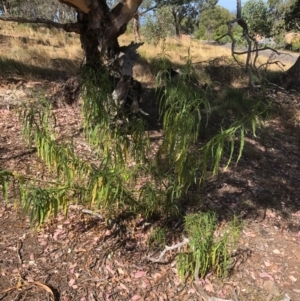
(207, 252)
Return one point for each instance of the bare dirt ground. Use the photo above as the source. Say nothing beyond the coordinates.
(80, 257)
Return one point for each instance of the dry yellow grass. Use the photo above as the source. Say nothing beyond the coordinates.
(23, 46)
(56, 49)
(177, 50)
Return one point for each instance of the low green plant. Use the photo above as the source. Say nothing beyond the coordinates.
(157, 237)
(296, 43)
(122, 172)
(207, 251)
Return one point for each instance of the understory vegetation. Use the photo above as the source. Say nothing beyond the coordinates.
(203, 131)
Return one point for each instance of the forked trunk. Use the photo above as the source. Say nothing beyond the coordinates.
(176, 24)
(292, 76)
(101, 26)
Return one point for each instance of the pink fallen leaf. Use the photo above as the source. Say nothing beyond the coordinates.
(292, 278)
(57, 233)
(139, 274)
(135, 298)
(109, 269)
(43, 242)
(209, 287)
(124, 287)
(267, 263)
(249, 233)
(265, 275)
(71, 282)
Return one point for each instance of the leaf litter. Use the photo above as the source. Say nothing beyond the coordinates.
(78, 258)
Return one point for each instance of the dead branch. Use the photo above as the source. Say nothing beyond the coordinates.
(250, 65)
(92, 213)
(257, 50)
(278, 63)
(168, 248)
(68, 27)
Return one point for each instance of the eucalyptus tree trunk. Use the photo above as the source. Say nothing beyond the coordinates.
(238, 9)
(99, 28)
(176, 24)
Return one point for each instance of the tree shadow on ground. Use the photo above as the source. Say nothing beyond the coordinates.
(267, 175)
(58, 69)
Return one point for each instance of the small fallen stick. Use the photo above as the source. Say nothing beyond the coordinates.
(168, 248)
(91, 212)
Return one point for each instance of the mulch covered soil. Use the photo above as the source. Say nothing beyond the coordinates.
(81, 257)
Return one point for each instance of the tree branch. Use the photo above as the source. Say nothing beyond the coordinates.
(77, 4)
(259, 49)
(69, 27)
(148, 9)
(168, 248)
(250, 65)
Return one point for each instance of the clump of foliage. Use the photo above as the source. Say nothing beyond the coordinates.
(157, 237)
(255, 13)
(159, 26)
(209, 248)
(121, 150)
(212, 23)
(295, 44)
(292, 16)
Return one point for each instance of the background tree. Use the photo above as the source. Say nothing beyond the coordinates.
(278, 10)
(52, 10)
(159, 25)
(212, 23)
(255, 13)
(183, 9)
(292, 17)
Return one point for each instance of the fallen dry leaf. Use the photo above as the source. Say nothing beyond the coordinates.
(139, 274)
(135, 298)
(292, 278)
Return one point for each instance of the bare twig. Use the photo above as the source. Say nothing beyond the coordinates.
(91, 212)
(235, 297)
(257, 50)
(249, 66)
(168, 248)
(19, 250)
